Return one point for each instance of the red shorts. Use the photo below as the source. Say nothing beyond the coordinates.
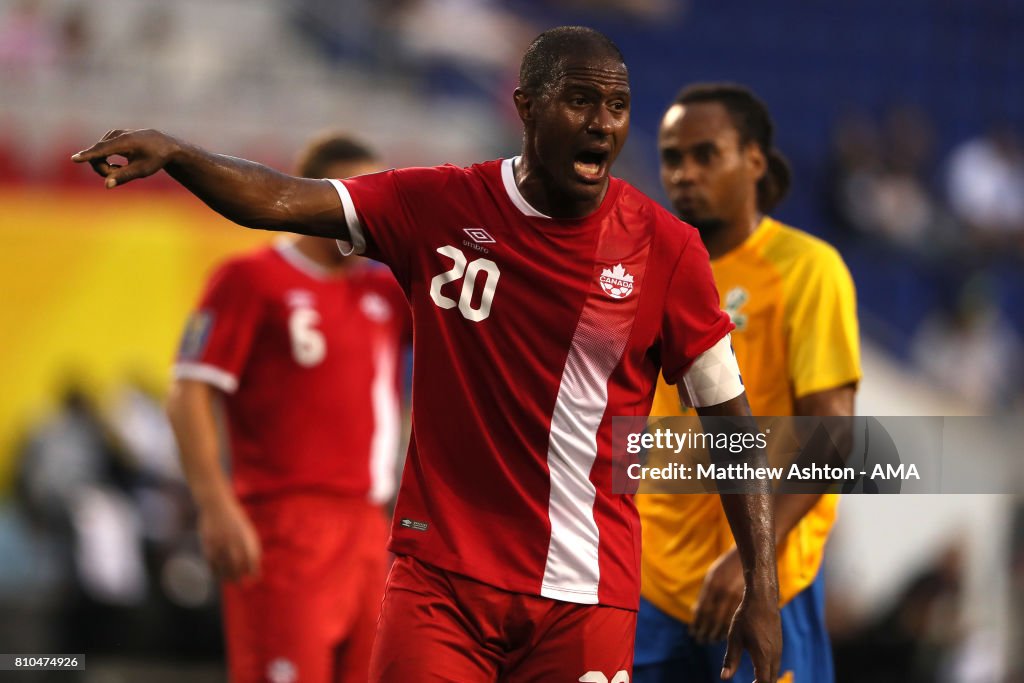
(312, 614)
(437, 626)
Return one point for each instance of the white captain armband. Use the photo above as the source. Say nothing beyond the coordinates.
(357, 241)
(714, 377)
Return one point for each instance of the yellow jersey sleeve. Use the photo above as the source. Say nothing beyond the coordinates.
(824, 345)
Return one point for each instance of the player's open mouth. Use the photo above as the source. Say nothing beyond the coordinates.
(591, 166)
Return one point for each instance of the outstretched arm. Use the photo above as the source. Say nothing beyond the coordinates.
(245, 192)
(755, 626)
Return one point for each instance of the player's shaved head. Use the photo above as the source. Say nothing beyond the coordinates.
(331, 149)
(545, 59)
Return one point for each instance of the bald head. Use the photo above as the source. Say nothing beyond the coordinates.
(546, 58)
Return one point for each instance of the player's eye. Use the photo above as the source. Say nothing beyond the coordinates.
(703, 154)
(670, 157)
(578, 101)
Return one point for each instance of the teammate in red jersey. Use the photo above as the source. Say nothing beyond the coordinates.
(302, 344)
(546, 296)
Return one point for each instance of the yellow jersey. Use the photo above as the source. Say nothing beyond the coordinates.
(793, 303)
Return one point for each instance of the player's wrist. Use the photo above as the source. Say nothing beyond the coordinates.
(177, 152)
(762, 585)
(214, 499)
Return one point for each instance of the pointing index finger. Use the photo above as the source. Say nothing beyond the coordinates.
(97, 151)
(110, 144)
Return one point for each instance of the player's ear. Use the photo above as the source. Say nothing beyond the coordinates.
(756, 161)
(524, 104)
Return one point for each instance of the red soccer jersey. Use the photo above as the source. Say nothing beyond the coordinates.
(530, 335)
(309, 361)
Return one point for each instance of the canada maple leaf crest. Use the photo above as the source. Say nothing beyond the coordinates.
(616, 282)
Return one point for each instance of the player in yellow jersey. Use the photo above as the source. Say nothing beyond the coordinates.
(792, 301)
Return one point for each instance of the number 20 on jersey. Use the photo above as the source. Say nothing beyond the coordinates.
(468, 272)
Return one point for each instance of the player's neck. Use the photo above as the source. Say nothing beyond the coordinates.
(731, 236)
(540, 192)
(322, 252)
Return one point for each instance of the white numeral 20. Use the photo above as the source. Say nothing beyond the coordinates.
(459, 269)
(598, 677)
(308, 345)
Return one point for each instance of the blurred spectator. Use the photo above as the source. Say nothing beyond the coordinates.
(153, 40)
(472, 32)
(459, 43)
(637, 10)
(70, 485)
(879, 183)
(106, 494)
(76, 39)
(855, 164)
(986, 189)
(65, 452)
(973, 351)
(28, 40)
(343, 28)
(912, 640)
(138, 422)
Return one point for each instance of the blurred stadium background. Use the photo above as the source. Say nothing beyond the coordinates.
(904, 124)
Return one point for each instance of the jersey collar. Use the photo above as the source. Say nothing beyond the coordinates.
(296, 259)
(508, 178)
(764, 230)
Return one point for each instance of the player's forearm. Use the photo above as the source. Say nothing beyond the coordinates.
(750, 514)
(751, 519)
(834, 405)
(191, 412)
(254, 195)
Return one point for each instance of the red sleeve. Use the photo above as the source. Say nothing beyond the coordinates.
(693, 321)
(386, 207)
(219, 333)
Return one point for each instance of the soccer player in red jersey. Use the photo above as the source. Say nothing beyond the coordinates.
(301, 347)
(546, 296)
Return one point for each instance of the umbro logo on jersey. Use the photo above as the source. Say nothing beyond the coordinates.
(479, 235)
(616, 282)
(407, 523)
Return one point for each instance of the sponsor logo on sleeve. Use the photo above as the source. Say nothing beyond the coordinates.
(197, 335)
(413, 524)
